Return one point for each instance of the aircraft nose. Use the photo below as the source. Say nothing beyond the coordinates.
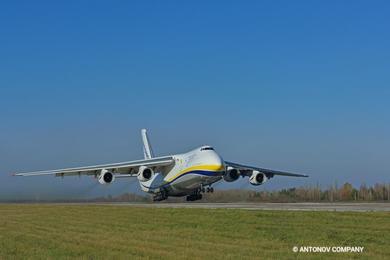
(217, 160)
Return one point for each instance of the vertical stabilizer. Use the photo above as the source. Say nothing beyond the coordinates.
(148, 152)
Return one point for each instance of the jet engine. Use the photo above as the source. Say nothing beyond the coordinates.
(257, 178)
(231, 174)
(106, 177)
(145, 173)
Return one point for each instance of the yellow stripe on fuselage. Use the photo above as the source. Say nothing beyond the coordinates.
(209, 167)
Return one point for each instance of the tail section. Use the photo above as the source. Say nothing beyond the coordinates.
(148, 152)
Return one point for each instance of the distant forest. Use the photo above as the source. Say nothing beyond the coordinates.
(343, 193)
(335, 193)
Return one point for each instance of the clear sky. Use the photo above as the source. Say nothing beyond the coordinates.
(292, 85)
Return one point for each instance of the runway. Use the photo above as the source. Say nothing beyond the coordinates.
(356, 207)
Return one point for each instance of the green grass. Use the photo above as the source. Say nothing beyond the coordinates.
(86, 231)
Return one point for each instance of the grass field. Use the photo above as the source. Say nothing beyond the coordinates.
(87, 231)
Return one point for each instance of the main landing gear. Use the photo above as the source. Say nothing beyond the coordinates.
(193, 197)
(162, 195)
(197, 195)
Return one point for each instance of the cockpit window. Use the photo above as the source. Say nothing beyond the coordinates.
(207, 149)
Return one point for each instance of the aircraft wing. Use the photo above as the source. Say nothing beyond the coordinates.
(122, 169)
(247, 170)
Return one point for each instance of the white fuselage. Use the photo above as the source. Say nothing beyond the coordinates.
(191, 171)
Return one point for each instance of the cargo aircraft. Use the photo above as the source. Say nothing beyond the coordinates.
(189, 174)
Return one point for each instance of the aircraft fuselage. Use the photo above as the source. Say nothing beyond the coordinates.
(190, 172)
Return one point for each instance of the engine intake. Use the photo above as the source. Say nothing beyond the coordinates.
(106, 177)
(257, 178)
(232, 174)
(145, 173)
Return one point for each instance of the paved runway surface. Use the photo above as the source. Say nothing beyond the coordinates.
(362, 207)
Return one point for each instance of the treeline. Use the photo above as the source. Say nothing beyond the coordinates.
(344, 193)
(334, 193)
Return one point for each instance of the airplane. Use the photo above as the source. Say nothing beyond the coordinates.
(189, 174)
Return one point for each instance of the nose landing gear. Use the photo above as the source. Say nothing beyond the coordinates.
(208, 189)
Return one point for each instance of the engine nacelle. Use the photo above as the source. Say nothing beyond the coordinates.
(106, 177)
(145, 173)
(232, 174)
(257, 178)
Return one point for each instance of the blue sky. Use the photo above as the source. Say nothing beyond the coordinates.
(301, 86)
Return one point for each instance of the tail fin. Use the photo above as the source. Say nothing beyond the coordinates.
(148, 152)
